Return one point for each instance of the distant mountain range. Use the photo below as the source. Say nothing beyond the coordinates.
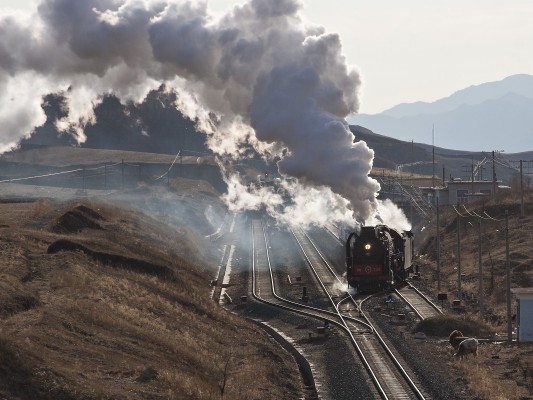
(491, 116)
(418, 158)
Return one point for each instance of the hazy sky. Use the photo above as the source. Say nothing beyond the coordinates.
(417, 50)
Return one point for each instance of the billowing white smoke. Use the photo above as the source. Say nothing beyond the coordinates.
(273, 82)
(388, 213)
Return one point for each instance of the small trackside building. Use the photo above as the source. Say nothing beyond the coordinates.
(524, 313)
(458, 191)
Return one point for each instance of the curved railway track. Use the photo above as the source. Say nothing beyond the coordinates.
(390, 377)
(389, 374)
(263, 286)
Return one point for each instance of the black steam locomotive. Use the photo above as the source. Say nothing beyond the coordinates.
(378, 257)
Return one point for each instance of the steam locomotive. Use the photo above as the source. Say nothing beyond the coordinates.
(377, 257)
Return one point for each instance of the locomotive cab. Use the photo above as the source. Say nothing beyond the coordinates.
(368, 258)
(377, 257)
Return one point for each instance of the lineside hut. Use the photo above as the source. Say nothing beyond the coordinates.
(524, 314)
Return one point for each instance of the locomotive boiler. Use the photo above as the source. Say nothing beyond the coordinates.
(377, 257)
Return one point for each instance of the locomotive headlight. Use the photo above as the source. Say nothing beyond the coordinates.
(367, 246)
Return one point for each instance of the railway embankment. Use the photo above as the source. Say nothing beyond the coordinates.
(92, 321)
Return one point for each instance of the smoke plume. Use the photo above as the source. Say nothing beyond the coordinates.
(273, 81)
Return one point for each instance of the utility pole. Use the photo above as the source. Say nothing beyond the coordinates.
(493, 175)
(122, 174)
(433, 173)
(472, 179)
(412, 155)
(438, 248)
(521, 191)
(480, 272)
(508, 275)
(459, 294)
(105, 176)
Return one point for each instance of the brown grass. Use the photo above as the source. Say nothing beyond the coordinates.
(501, 371)
(484, 384)
(443, 325)
(86, 323)
(494, 374)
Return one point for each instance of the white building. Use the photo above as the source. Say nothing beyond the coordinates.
(458, 191)
(524, 313)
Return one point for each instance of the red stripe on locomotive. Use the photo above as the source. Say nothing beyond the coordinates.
(378, 255)
(368, 269)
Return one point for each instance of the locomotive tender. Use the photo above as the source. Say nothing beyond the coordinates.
(378, 257)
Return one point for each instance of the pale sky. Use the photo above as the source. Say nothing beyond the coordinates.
(417, 50)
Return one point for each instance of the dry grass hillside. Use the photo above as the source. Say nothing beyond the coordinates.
(502, 370)
(100, 302)
(493, 250)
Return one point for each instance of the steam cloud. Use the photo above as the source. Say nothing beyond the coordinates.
(273, 81)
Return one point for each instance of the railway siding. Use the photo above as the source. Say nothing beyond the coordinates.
(420, 304)
(299, 324)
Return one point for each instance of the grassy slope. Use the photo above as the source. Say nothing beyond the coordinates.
(493, 250)
(501, 371)
(99, 323)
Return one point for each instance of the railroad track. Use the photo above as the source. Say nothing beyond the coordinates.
(390, 375)
(263, 286)
(420, 304)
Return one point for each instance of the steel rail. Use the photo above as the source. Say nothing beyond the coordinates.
(314, 312)
(394, 360)
(421, 295)
(259, 298)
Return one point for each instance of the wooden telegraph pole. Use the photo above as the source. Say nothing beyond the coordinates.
(459, 294)
(438, 248)
(480, 272)
(521, 191)
(508, 275)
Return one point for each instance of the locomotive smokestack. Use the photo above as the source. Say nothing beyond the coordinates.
(274, 82)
